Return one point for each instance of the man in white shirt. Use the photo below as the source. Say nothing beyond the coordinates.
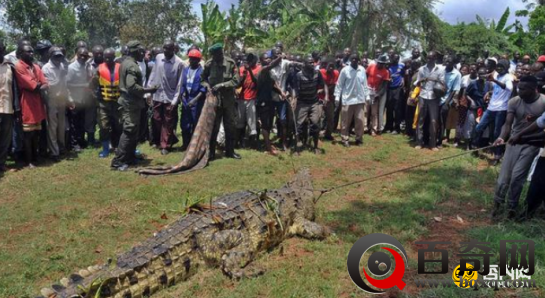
(280, 74)
(81, 100)
(497, 108)
(166, 74)
(56, 103)
(353, 92)
(428, 77)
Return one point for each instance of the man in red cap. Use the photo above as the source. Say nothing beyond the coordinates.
(192, 96)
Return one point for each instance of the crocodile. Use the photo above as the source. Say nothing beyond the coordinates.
(197, 154)
(228, 233)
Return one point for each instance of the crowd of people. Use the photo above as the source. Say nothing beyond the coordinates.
(51, 105)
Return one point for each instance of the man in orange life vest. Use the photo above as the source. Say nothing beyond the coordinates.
(106, 84)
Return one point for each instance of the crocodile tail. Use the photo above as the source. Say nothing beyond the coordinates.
(79, 284)
(302, 180)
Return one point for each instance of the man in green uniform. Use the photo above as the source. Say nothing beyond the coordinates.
(221, 76)
(131, 103)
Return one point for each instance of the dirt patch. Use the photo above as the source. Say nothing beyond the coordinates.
(320, 174)
(21, 229)
(451, 228)
(290, 249)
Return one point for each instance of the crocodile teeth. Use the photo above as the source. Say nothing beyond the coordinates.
(93, 269)
(65, 282)
(84, 273)
(48, 292)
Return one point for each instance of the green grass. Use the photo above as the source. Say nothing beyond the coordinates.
(60, 218)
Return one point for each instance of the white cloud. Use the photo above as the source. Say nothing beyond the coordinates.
(451, 11)
(454, 11)
(223, 4)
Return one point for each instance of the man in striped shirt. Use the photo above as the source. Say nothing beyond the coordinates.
(308, 84)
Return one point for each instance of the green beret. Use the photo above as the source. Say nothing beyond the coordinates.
(133, 45)
(215, 47)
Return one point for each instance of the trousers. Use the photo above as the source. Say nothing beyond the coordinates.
(56, 117)
(165, 120)
(395, 109)
(353, 113)
(109, 124)
(329, 110)
(90, 118)
(130, 119)
(536, 191)
(76, 118)
(247, 115)
(226, 112)
(376, 110)
(514, 171)
(428, 108)
(6, 131)
(490, 118)
(190, 118)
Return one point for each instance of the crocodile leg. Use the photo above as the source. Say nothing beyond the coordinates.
(214, 246)
(236, 263)
(308, 229)
(231, 250)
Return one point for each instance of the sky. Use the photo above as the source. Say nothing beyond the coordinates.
(451, 11)
(223, 4)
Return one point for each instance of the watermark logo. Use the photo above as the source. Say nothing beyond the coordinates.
(464, 281)
(517, 261)
(378, 264)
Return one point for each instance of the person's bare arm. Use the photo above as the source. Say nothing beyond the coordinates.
(242, 79)
(383, 88)
(506, 129)
(252, 76)
(495, 81)
(273, 64)
(527, 131)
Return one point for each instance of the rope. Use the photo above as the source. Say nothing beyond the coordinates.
(331, 189)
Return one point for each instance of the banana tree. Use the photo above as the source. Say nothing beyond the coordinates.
(241, 30)
(500, 27)
(213, 24)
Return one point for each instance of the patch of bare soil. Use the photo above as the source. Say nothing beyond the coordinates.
(446, 228)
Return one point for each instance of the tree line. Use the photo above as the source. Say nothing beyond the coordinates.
(303, 25)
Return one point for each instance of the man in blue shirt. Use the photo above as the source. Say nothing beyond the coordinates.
(453, 81)
(191, 95)
(395, 105)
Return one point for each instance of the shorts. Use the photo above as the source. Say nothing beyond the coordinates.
(265, 114)
(247, 115)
